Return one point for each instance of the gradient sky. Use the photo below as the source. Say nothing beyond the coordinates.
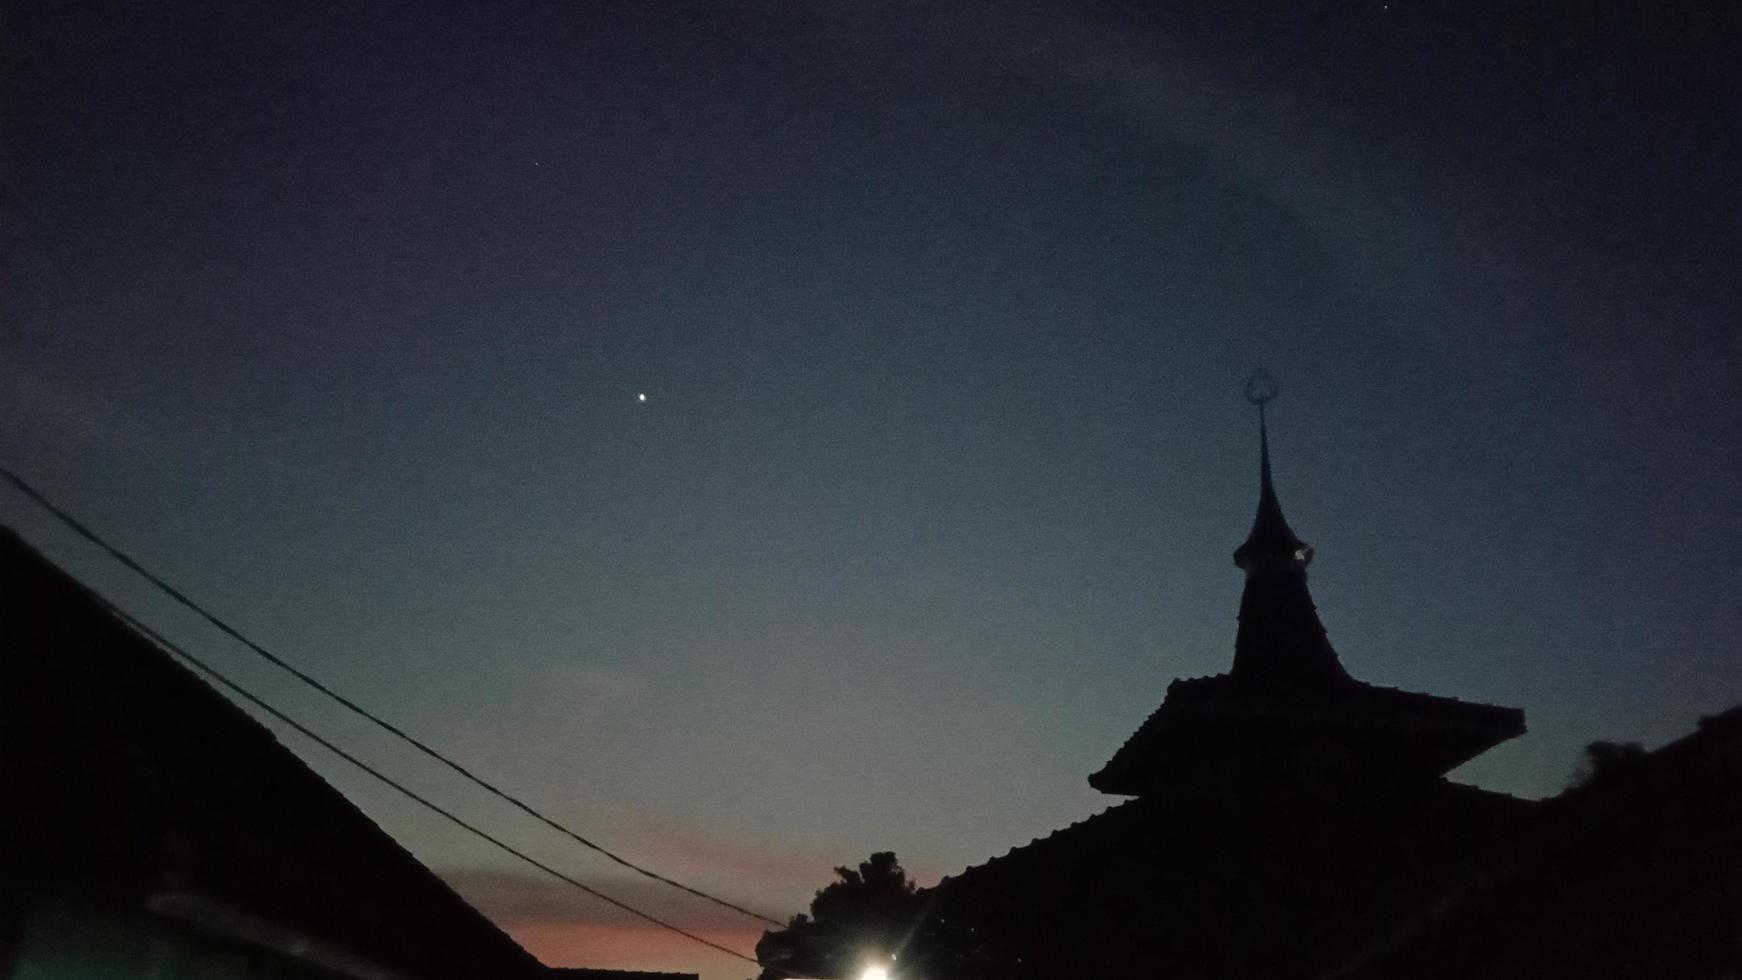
(336, 314)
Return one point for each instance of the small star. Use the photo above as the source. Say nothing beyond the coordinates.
(641, 397)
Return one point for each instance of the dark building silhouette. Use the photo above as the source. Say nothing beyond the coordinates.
(1635, 873)
(1288, 715)
(150, 828)
(1289, 821)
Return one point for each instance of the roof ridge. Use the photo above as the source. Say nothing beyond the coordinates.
(1013, 851)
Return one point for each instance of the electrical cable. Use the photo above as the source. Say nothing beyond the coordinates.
(241, 692)
(77, 527)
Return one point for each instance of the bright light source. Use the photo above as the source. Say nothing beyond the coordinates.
(875, 973)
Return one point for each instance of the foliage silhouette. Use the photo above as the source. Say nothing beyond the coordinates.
(870, 913)
(1603, 758)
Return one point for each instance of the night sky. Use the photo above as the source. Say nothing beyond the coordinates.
(337, 315)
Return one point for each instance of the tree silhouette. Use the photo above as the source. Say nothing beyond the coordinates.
(870, 913)
(1605, 758)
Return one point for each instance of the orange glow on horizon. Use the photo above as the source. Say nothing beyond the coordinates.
(636, 947)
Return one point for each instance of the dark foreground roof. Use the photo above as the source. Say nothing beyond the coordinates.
(1160, 887)
(1635, 873)
(131, 783)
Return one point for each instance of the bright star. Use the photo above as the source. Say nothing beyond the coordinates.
(641, 397)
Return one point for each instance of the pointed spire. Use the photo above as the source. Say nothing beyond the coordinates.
(1271, 539)
(1280, 639)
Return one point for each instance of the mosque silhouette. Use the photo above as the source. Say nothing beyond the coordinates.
(1286, 820)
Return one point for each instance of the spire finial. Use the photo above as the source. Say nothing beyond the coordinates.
(1270, 531)
(1261, 388)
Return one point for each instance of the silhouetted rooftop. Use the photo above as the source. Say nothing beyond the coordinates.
(1293, 822)
(1636, 872)
(131, 784)
(1162, 887)
(1287, 711)
(1234, 727)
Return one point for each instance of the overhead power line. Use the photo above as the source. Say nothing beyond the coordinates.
(79, 528)
(409, 793)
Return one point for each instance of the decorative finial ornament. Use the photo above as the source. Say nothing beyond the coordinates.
(1261, 387)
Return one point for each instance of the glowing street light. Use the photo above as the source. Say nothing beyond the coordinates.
(875, 973)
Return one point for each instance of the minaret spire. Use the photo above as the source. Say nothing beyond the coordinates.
(1280, 637)
(1271, 540)
(1287, 721)
(1265, 487)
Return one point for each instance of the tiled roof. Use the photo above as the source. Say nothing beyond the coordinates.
(1636, 872)
(1346, 704)
(1155, 887)
(1101, 828)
